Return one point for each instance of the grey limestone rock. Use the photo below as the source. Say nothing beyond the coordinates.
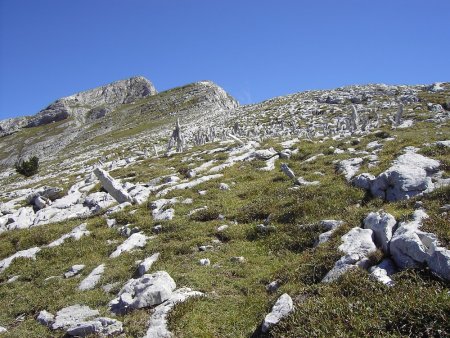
(28, 253)
(72, 315)
(100, 326)
(112, 186)
(92, 279)
(204, 262)
(330, 227)
(76, 234)
(409, 176)
(287, 171)
(45, 318)
(147, 263)
(281, 309)
(439, 261)
(349, 167)
(382, 224)
(148, 290)
(158, 327)
(357, 245)
(136, 240)
(74, 270)
(382, 271)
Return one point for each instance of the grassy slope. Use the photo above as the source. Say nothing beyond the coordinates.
(237, 300)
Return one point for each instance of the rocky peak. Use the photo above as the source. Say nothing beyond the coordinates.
(95, 102)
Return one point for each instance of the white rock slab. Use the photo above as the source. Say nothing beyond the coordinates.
(76, 234)
(147, 263)
(148, 290)
(92, 279)
(28, 253)
(282, 308)
(158, 321)
(136, 240)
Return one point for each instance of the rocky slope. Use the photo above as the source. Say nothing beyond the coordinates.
(305, 215)
(106, 115)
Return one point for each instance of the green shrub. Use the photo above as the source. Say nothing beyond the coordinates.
(28, 167)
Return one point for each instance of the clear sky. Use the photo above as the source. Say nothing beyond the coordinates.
(254, 49)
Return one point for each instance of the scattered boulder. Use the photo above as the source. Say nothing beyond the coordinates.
(357, 245)
(92, 279)
(45, 318)
(410, 175)
(41, 202)
(148, 290)
(330, 226)
(382, 224)
(282, 308)
(137, 240)
(22, 219)
(349, 167)
(224, 186)
(287, 171)
(273, 286)
(76, 234)
(439, 261)
(99, 200)
(382, 271)
(112, 186)
(74, 270)
(204, 262)
(165, 215)
(28, 253)
(147, 263)
(158, 320)
(72, 315)
(222, 228)
(363, 181)
(101, 326)
(264, 154)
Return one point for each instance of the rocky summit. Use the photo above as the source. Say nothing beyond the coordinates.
(184, 214)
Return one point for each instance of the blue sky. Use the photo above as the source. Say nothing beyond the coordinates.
(255, 49)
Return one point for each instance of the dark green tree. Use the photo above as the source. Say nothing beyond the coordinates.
(28, 167)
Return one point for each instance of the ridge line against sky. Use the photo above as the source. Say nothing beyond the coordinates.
(255, 50)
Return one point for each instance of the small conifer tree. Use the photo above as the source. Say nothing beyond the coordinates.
(28, 167)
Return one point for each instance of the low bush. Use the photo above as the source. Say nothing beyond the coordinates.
(28, 167)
